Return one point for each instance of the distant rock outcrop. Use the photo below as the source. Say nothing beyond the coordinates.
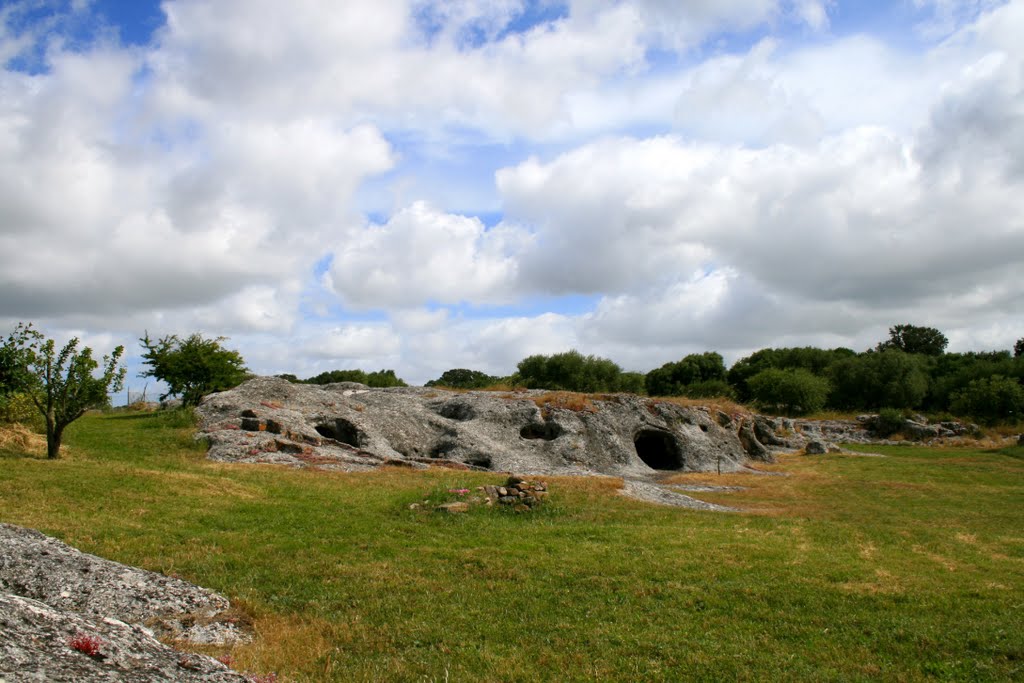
(352, 427)
(69, 616)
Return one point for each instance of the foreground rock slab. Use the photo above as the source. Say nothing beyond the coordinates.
(35, 645)
(51, 594)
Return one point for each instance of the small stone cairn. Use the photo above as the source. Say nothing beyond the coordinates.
(521, 494)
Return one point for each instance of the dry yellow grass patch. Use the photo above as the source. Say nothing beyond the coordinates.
(208, 485)
(885, 583)
(281, 643)
(19, 438)
(566, 400)
(723, 404)
(766, 495)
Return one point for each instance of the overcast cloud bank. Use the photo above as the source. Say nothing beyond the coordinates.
(420, 185)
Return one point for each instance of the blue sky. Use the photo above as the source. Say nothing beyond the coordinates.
(419, 185)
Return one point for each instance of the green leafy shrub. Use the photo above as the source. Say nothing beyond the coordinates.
(381, 379)
(890, 421)
(570, 371)
(794, 391)
(675, 379)
(875, 380)
(18, 407)
(991, 400)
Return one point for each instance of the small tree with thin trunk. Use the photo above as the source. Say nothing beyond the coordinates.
(62, 385)
(192, 367)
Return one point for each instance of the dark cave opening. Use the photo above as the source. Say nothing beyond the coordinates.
(342, 430)
(659, 450)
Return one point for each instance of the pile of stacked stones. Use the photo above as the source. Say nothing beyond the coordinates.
(518, 492)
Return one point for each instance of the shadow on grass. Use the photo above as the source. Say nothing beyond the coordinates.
(8, 454)
(1012, 451)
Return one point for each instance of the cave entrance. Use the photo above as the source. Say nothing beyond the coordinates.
(659, 450)
(343, 431)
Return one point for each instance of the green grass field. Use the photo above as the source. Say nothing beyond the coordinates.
(903, 568)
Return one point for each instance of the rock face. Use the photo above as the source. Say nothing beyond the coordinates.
(36, 645)
(51, 593)
(350, 427)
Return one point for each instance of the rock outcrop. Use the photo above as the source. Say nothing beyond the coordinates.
(351, 427)
(51, 594)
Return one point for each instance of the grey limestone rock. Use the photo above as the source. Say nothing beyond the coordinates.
(346, 427)
(36, 566)
(36, 645)
(52, 594)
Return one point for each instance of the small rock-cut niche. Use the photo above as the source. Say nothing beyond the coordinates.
(549, 431)
(443, 448)
(481, 460)
(342, 430)
(659, 450)
(457, 410)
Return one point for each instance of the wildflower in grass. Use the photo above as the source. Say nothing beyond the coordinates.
(460, 492)
(86, 644)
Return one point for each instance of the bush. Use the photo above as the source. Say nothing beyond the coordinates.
(715, 388)
(380, 379)
(570, 371)
(890, 421)
(991, 400)
(673, 379)
(794, 391)
(18, 407)
(815, 361)
(874, 380)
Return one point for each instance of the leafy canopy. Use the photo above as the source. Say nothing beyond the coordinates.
(61, 385)
(793, 390)
(914, 339)
(572, 371)
(381, 379)
(192, 367)
(462, 378)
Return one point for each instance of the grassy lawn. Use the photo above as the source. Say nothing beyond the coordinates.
(908, 567)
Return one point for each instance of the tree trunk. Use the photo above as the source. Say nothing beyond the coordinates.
(54, 432)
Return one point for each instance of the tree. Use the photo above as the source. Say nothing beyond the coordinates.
(61, 384)
(873, 380)
(991, 400)
(570, 371)
(462, 378)
(817, 361)
(193, 367)
(795, 391)
(379, 379)
(913, 339)
(676, 379)
(1018, 348)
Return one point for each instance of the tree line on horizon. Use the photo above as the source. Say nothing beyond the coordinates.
(908, 371)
